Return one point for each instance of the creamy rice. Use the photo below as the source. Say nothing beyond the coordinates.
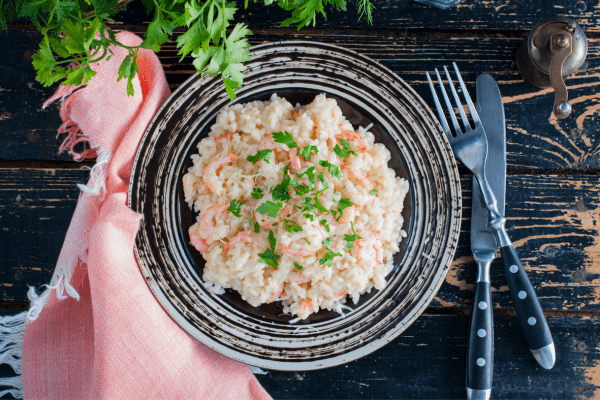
(221, 174)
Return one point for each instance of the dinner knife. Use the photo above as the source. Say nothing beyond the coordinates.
(480, 353)
(530, 315)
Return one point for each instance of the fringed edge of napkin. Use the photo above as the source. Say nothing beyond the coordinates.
(12, 328)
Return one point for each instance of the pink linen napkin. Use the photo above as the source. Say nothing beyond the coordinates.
(108, 337)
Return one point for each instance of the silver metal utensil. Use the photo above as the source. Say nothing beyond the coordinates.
(483, 241)
(471, 147)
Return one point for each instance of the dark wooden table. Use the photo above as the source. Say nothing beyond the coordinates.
(553, 202)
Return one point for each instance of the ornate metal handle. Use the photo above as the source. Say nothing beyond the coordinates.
(561, 45)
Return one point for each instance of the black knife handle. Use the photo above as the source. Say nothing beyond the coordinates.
(480, 355)
(529, 312)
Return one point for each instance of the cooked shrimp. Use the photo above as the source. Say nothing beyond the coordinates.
(228, 136)
(208, 231)
(269, 143)
(192, 185)
(347, 216)
(314, 237)
(353, 137)
(246, 237)
(197, 241)
(360, 197)
(376, 242)
(295, 158)
(276, 294)
(210, 173)
(298, 278)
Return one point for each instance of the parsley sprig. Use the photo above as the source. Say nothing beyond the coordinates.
(260, 155)
(235, 206)
(330, 255)
(350, 239)
(268, 256)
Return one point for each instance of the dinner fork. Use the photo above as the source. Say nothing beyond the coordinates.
(470, 147)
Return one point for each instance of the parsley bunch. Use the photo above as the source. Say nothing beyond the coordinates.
(76, 34)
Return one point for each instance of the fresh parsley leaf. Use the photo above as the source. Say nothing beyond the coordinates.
(309, 216)
(333, 170)
(306, 150)
(326, 242)
(310, 174)
(284, 138)
(234, 207)
(343, 203)
(272, 240)
(319, 206)
(256, 227)
(257, 193)
(344, 151)
(307, 241)
(372, 192)
(328, 257)
(325, 224)
(351, 238)
(269, 208)
(322, 179)
(281, 191)
(269, 257)
(260, 155)
(300, 190)
(298, 266)
(291, 226)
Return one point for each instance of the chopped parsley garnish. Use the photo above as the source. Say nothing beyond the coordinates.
(333, 170)
(307, 241)
(322, 179)
(256, 227)
(300, 190)
(284, 138)
(260, 155)
(336, 192)
(309, 216)
(281, 191)
(234, 207)
(325, 224)
(298, 266)
(372, 192)
(306, 150)
(291, 226)
(328, 257)
(343, 203)
(257, 193)
(351, 238)
(319, 206)
(269, 208)
(269, 257)
(344, 151)
(310, 174)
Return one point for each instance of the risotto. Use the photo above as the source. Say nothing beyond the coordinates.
(294, 205)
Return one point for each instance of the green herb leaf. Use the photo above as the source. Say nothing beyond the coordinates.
(372, 192)
(344, 151)
(326, 242)
(329, 256)
(343, 203)
(309, 216)
(284, 138)
(234, 207)
(281, 191)
(306, 150)
(333, 170)
(325, 224)
(298, 266)
(269, 208)
(257, 193)
(269, 257)
(272, 240)
(291, 226)
(319, 206)
(260, 155)
(351, 238)
(256, 227)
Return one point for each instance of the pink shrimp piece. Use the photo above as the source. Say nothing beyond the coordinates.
(207, 228)
(246, 237)
(347, 216)
(210, 173)
(315, 245)
(192, 185)
(298, 278)
(276, 294)
(353, 137)
(360, 197)
(228, 136)
(377, 245)
(340, 294)
(293, 153)
(197, 241)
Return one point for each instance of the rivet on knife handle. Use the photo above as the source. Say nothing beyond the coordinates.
(529, 312)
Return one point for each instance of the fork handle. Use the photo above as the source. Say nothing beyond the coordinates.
(529, 312)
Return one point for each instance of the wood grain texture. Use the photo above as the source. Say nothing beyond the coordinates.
(554, 222)
(428, 362)
(535, 139)
(489, 15)
(36, 206)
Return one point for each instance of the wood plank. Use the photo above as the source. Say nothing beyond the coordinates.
(36, 206)
(489, 15)
(553, 221)
(428, 362)
(536, 140)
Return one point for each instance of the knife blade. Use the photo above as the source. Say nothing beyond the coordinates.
(480, 353)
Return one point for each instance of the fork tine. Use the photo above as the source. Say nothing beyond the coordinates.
(439, 108)
(448, 105)
(457, 101)
(472, 109)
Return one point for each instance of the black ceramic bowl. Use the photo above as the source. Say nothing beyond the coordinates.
(262, 336)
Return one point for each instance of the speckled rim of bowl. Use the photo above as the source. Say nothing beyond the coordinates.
(413, 135)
